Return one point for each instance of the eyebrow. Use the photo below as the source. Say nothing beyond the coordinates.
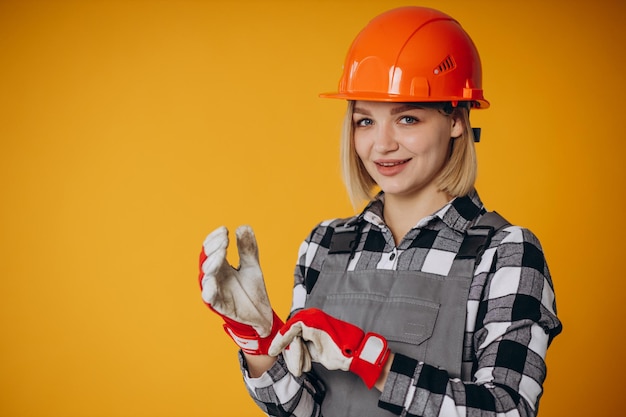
(394, 110)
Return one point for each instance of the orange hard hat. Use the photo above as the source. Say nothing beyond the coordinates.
(412, 54)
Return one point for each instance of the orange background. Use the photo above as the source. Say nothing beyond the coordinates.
(130, 129)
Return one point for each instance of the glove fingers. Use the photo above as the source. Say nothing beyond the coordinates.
(284, 337)
(214, 248)
(214, 255)
(250, 277)
(305, 361)
(248, 248)
(297, 357)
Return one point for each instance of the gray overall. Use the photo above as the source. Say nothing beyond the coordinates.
(421, 315)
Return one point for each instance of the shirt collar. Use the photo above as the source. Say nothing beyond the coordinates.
(459, 214)
(462, 212)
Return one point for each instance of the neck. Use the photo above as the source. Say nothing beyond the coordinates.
(402, 213)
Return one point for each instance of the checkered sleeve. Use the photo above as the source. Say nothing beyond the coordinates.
(279, 393)
(310, 257)
(515, 322)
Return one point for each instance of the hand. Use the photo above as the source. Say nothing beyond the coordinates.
(238, 295)
(335, 344)
(297, 356)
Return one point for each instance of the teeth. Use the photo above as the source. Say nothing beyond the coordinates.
(390, 164)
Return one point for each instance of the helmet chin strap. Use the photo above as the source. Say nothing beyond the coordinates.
(476, 131)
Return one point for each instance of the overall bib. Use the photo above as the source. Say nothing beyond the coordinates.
(421, 315)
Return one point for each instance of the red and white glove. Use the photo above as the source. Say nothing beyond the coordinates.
(335, 344)
(238, 295)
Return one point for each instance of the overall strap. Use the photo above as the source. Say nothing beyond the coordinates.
(476, 240)
(344, 239)
(343, 243)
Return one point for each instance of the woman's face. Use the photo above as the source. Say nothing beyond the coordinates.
(403, 146)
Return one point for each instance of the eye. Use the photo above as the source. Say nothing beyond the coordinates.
(408, 120)
(364, 122)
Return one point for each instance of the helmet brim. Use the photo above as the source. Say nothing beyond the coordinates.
(400, 98)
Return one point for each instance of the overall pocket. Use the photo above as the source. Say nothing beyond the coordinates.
(388, 303)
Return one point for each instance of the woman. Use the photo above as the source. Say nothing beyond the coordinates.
(424, 304)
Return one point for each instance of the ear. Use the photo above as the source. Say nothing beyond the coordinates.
(457, 128)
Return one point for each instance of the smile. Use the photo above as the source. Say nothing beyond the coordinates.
(391, 163)
(390, 168)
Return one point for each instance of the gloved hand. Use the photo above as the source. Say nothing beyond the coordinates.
(334, 343)
(296, 356)
(238, 295)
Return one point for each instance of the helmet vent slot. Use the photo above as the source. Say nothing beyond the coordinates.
(445, 66)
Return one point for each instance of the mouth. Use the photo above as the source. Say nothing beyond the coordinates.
(390, 167)
(389, 164)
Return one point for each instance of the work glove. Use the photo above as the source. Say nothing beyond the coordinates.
(297, 357)
(333, 343)
(238, 295)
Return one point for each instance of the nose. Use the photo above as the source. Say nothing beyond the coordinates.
(385, 141)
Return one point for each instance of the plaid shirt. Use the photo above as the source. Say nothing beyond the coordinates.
(511, 319)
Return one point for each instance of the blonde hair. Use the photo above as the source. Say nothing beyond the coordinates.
(457, 177)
